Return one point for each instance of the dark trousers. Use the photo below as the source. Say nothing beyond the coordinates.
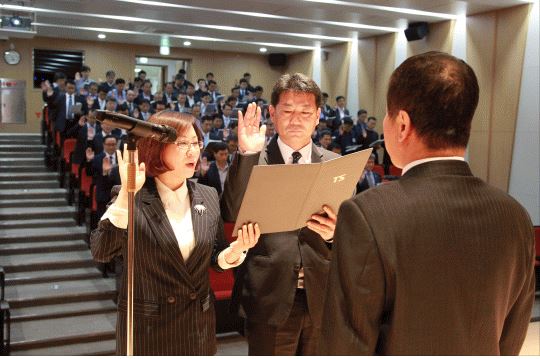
(297, 336)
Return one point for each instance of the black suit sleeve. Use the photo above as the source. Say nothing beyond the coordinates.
(356, 288)
(236, 184)
(106, 240)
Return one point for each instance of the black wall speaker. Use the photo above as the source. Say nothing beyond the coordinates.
(277, 59)
(416, 31)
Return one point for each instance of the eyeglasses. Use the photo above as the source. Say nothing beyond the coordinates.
(186, 146)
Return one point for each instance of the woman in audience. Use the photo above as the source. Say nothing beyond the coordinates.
(178, 236)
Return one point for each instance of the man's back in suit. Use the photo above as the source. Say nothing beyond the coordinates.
(439, 262)
(429, 242)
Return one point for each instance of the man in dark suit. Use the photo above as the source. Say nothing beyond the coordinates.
(280, 287)
(146, 93)
(369, 135)
(340, 112)
(217, 170)
(101, 102)
(86, 130)
(369, 178)
(100, 166)
(439, 262)
(67, 105)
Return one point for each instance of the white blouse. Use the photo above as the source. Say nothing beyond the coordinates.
(178, 209)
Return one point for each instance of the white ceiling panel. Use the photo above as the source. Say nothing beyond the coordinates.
(240, 25)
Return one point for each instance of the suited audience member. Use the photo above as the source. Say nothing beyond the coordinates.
(212, 90)
(101, 101)
(226, 116)
(169, 96)
(144, 110)
(67, 106)
(340, 112)
(82, 79)
(360, 126)
(207, 123)
(326, 109)
(99, 165)
(216, 173)
(108, 85)
(130, 101)
(369, 179)
(280, 287)
(180, 84)
(325, 139)
(178, 236)
(344, 135)
(146, 93)
(119, 93)
(85, 132)
(439, 262)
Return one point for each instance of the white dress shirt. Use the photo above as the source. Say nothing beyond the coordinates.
(430, 159)
(178, 209)
(70, 113)
(286, 152)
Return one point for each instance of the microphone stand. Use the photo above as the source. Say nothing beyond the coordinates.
(131, 186)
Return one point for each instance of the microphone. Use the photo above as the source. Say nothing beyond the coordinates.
(160, 133)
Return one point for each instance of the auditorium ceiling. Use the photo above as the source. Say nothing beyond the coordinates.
(287, 26)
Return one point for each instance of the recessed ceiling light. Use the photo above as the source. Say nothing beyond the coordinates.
(263, 49)
(101, 36)
(187, 43)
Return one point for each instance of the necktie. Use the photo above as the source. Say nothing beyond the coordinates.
(111, 160)
(296, 157)
(70, 107)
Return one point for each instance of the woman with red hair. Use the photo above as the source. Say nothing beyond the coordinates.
(178, 236)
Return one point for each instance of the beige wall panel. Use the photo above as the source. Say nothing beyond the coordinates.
(385, 55)
(301, 62)
(480, 56)
(478, 154)
(366, 73)
(335, 72)
(512, 25)
(438, 39)
(228, 67)
(500, 158)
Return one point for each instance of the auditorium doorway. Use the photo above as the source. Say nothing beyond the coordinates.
(159, 70)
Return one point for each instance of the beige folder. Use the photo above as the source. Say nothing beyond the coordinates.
(282, 198)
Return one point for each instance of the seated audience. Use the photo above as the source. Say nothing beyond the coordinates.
(216, 173)
(369, 179)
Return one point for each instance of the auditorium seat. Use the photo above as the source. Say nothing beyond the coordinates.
(85, 192)
(394, 171)
(65, 166)
(379, 170)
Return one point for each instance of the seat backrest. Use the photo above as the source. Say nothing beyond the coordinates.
(69, 146)
(394, 171)
(94, 202)
(86, 182)
(379, 170)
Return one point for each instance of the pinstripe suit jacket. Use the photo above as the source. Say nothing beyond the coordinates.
(173, 304)
(437, 263)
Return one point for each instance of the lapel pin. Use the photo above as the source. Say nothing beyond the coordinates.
(200, 209)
